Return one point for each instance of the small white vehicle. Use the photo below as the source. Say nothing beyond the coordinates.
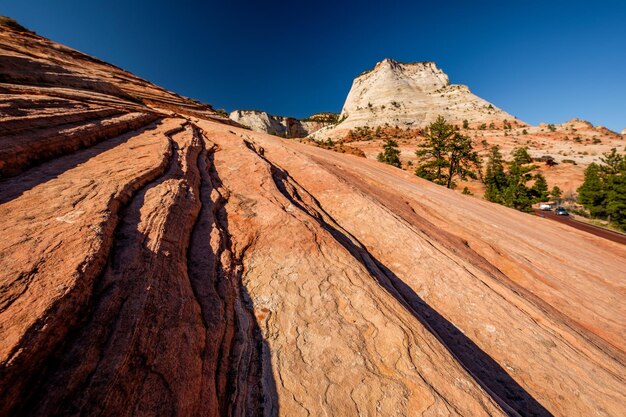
(545, 206)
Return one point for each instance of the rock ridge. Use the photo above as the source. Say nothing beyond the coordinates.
(286, 127)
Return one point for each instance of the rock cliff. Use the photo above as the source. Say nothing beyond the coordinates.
(286, 127)
(156, 260)
(411, 95)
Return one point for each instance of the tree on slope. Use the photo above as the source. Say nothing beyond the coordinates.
(616, 198)
(613, 162)
(603, 193)
(495, 178)
(556, 193)
(461, 159)
(509, 187)
(539, 189)
(432, 153)
(445, 155)
(517, 194)
(592, 192)
(390, 154)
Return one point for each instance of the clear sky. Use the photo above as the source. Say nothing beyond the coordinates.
(542, 61)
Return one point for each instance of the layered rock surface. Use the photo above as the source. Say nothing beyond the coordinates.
(155, 260)
(286, 127)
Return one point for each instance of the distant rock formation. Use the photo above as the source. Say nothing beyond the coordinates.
(412, 95)
(575, 123)
(286, 127)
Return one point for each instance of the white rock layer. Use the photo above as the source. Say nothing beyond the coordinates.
(411, 95)
(287, 127)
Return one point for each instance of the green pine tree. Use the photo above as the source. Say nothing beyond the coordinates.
(446, 154)
(592, 192)
(510, 187)
(495, 178)
(462, 159)
(603, 193)
(432, 153)
(556, 193)
(516, 194)
(390, 154)
(616, 199)
(613, 162)
(539, 189)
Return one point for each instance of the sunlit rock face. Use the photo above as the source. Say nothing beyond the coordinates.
(411, 95)
(286, 127)
(156, 259)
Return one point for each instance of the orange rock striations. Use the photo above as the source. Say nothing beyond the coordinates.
(156, 260)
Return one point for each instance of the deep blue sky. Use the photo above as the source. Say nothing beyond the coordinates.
(546, 60)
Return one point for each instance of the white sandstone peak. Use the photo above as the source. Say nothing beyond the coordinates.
(411, 95)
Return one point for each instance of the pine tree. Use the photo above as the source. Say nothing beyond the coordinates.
(495, 178)
(510, 187)
(616, 199)
(556, 193)
(539, 189)
(603, 193)
(461, 159)
(432, 153)
(516, 194)
(446, 155)
(612, 161)
(390, 154)
(592, 193)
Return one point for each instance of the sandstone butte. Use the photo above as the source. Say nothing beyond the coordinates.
(411, 95)
(156, 259)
